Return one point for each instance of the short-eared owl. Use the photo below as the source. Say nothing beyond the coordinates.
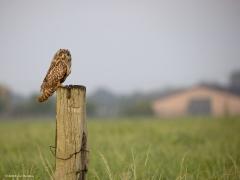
(59, 69)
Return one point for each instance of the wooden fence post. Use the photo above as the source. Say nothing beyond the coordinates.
(71, 133)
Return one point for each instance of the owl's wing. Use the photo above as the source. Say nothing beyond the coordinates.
(53, 63)
(56, 73)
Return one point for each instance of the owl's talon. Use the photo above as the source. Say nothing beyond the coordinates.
(59, 85)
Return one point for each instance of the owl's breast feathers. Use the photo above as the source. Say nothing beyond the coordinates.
(56, 75)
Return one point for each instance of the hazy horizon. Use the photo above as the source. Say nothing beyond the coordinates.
(121, 45)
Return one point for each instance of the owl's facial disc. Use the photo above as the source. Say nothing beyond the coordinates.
(64, 53)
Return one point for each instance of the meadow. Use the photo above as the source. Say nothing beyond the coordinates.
(130, 149)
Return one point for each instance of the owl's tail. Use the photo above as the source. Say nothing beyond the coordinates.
(46, 94)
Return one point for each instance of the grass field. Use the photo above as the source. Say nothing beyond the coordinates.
(143, 149)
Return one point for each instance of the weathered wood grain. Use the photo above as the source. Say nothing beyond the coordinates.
(71, 134)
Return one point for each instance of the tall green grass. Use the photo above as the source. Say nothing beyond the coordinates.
(144, 149)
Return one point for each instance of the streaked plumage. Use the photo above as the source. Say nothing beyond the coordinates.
(59, 69)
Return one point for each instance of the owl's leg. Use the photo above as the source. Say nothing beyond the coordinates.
(59, 85)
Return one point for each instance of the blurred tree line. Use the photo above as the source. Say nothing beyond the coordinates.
(30, 106)
(19, 106)
(101, 103)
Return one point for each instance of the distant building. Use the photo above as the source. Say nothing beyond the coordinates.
(200, 100)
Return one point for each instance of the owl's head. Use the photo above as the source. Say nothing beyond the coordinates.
(64, 54)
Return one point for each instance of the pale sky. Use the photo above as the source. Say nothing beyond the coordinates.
(124, 45)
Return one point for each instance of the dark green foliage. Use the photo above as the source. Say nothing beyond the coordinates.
(31, 106)
(91, 109)
(139, 108)
(2, 105)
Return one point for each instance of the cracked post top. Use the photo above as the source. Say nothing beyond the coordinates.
(74, 87)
